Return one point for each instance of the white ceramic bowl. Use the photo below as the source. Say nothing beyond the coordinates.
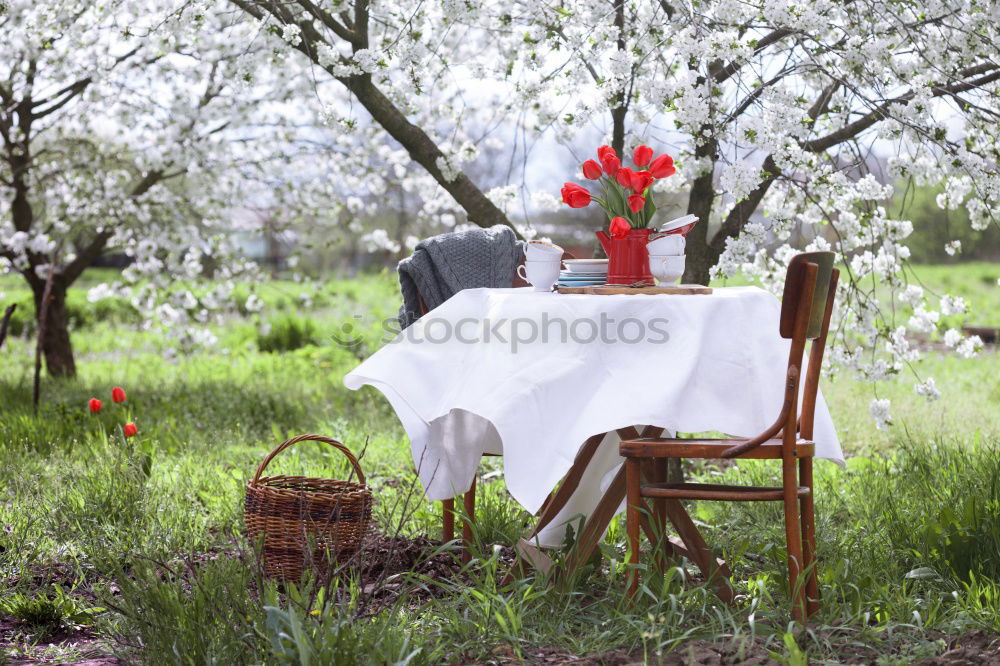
(664, 245)
(666, 268)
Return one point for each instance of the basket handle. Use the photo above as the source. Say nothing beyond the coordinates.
(302, 438)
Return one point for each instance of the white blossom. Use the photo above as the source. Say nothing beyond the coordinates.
(953, 305)
(879, 409)
(740, 179)
(379, 240)
(292, 34)
(253, 303)
(924, 320)
(969, 347)
(100, 292)
(928, 389)
(952, 337)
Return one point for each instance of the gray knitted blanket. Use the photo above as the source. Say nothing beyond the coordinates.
(443, 265)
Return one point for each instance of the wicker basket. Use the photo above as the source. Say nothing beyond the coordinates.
(304, 521)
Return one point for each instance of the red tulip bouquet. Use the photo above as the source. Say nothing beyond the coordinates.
(628, 203)
(626, 198)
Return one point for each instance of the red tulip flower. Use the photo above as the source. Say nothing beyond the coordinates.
(94, 405)
(575, 196)
(636, 202)
(641, 180)
(611, 163)
(641, 155)
(130, 429)
(624, 177)
(118, 394)
(605, 150)
(619, 227)
(591, 170)
(662, 166)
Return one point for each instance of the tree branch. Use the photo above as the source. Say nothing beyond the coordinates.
(85, 257)
(764, 42)
(421, 148)
(361, 24)
(328, 20)
(741, 212)
(68, 93)
(849, 131)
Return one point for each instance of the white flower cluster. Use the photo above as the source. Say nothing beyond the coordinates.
(740, 179)
(379, 240)
(966, 347)
(879, 409)
(928, 389)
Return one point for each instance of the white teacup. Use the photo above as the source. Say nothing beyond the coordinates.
(666, 268)
(664, 245)
(542, 251)
(540, 274)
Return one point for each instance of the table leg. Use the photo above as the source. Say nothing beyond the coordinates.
(598, 521)
(555, 503)
(716, 572)
(530, 556)
(693, 545)
(596, 524)
(469, 504)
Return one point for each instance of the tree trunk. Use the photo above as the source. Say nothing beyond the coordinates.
(56, 344)
(700, 257)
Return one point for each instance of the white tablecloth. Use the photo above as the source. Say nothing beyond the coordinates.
(533, 375)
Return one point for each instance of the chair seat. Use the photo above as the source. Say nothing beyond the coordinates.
(713, 491)
(666, 447)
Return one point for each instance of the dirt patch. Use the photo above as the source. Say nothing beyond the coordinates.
(977, 647)
(393, 566)
(70, 646)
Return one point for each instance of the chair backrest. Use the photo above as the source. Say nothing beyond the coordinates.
(795, 283)
(807, 316)
(810, 288)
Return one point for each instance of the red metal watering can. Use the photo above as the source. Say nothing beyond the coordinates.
(628, 260)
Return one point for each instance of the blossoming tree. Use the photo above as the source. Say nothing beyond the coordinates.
(772, 109)
(130, 127)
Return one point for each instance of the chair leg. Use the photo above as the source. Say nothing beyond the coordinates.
(447, 520)
(633, 500)
(809, 537)
(793, 539)
(470, 515)
(665, 551)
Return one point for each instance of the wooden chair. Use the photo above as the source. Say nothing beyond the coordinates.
(810, 288)
(469, 499)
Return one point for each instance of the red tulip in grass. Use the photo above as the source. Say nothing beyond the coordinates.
(118, 396)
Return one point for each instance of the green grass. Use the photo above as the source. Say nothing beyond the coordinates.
(149, 529)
